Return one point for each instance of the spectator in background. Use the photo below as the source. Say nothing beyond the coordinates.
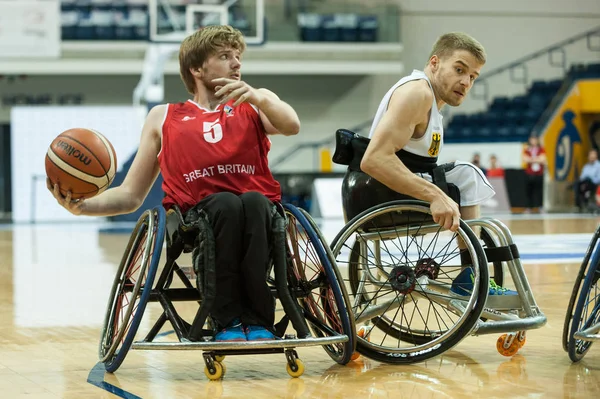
(495, 170)
(588, 180)
(534, 157)
(477, 162)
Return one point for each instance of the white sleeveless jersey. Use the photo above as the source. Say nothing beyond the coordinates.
(430, 144)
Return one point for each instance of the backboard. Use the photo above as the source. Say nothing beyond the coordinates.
(172, 20)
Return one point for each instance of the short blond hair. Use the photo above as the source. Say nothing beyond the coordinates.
(447, 44)
(200, 45)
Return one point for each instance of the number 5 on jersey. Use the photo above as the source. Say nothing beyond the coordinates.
(213, 133)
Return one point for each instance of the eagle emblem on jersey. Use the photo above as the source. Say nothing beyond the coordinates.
(434, 147)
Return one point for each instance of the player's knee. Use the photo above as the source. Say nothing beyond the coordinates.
(228, 202)
(255, 202)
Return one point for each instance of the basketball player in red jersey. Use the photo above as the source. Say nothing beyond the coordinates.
(212, 153)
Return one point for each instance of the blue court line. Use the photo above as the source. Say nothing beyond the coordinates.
(164, 334)
(96, 377)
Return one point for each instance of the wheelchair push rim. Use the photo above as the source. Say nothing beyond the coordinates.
(129, 296)
(587, 308)
(412, 344)
(583, 270)
(318, 281)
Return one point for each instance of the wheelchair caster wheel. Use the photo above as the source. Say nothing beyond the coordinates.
(362, 333)
(217, 373)
(521, 338)
(296, 370)
(507, 345)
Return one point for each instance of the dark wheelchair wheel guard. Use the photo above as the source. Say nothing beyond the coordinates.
(146, 241)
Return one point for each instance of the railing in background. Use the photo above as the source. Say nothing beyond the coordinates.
(332, 20)
(513, 67)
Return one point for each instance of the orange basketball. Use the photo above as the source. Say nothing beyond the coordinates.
(81, 161)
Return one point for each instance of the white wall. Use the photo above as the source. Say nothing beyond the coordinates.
(32, 131)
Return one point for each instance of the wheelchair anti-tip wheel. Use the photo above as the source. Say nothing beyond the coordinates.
(131, 288)
(403, 277)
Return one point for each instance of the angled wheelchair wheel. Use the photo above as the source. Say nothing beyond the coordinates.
(583, 271)
(584, 306)
(131, 288)
(404, 284)
(317, 283)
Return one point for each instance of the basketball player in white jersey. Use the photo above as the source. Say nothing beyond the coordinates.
(409, 119)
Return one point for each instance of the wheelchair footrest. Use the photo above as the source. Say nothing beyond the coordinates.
(241, 345)
(504, 302)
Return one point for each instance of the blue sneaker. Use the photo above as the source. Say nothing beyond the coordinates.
(234, 332)
(258, 333)
(463, 284)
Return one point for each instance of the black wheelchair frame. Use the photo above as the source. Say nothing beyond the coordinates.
(310, 290)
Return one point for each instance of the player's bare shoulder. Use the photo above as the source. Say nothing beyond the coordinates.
(157, 114)
(416, 91)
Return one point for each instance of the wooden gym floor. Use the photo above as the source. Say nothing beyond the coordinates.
(55, 280)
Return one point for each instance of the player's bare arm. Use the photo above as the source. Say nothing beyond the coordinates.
(277, 116)
(409, 106)
(130, 195)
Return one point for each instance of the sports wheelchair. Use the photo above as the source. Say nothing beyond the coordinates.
(582, 319)
(401, 270)
(303, 276)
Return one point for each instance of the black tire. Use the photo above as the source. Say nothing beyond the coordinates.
(583, 317)
(410, 355)
(583, 270)
(328, 314)
(146, 240)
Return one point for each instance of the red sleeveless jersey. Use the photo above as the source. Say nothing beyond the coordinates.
(206, 152)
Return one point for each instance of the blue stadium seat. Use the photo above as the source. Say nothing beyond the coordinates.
(512, 116)
(500, 104)
(348, 27)
(538, 102)
(330, 29)
(69, 15)
(531, 116)
(485, 134)
(460, 119)
(310, 27)
(519, 103)
(450, 133)
(368, 27)
(493, 117)
(537, 86)
(102, 19)
(522, 132)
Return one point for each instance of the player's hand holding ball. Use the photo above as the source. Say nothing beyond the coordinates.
(80, 164)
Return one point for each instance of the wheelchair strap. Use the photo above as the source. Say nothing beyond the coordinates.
(282, 326)
(495, 254)
(204, 266)
(439, 178)
(280, 265)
